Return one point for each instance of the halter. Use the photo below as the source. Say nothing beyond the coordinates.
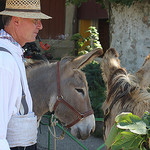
(61, 100)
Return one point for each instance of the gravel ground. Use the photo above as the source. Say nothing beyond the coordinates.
(92, 143)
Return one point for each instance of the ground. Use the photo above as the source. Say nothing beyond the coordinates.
(92, 143)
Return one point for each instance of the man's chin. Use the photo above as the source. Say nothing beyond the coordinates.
(32, 40)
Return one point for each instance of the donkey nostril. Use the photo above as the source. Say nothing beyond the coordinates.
(91, 131)
(78, 134)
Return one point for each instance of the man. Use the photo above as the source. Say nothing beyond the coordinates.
(18, 124)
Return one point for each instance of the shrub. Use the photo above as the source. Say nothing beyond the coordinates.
(80, 42)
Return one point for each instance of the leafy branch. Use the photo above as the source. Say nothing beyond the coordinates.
(130, 132)
(80, 42)
(122, 2)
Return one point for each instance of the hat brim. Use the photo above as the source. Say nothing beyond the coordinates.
(35, 15)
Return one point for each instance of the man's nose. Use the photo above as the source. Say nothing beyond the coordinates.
(39, 25)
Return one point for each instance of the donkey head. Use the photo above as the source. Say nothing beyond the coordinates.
(117, 83)
(74, 90)
(124, 91)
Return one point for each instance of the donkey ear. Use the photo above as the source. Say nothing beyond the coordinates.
(143, 74)
(80, 61)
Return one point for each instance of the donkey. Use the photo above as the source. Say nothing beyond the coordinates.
(125, 92)
(62, 87)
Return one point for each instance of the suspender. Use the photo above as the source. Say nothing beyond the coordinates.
(23, 100)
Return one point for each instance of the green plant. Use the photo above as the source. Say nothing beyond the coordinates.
(130, 132)
(93, 38)
(80, 41)
(122, 2)
(96, 87)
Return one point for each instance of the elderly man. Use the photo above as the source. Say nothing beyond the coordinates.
(18, 124)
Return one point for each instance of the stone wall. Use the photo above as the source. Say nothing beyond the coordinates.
(130, 33)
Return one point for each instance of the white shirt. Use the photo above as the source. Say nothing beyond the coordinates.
(10, 87)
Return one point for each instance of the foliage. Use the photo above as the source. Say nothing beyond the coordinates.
(76, 2)
(96, 87)
(130, 132)
(80, 41)
(93, 38)
(122, 2)
(125, 2)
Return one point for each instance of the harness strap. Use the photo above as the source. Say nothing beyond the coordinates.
(23, 99)
(80, 115)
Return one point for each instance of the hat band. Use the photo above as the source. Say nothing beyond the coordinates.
(23, 10)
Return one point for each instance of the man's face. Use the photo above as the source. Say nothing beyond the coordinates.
(28, 29)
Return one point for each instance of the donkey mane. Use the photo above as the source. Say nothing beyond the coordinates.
(121, 85)
(35, 64)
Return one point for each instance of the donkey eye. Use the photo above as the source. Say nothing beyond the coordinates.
(80, 91)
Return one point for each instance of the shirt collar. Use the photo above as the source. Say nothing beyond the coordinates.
(5, 35)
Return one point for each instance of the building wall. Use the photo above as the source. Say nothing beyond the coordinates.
(53, 28)
(130, 33)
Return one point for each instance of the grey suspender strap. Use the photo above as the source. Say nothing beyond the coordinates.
(23, 100)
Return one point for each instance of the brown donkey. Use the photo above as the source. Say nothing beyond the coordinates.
(62, 88)
(125, 92)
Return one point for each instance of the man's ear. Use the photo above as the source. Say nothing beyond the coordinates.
(16, 20)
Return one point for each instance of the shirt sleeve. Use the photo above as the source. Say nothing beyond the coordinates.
(4, 144)
(6, 79)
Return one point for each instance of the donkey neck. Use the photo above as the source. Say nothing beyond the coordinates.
(42, 82)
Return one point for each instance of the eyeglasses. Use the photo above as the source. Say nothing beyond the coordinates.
(36, 21)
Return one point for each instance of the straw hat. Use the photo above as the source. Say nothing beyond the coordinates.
(24, 9)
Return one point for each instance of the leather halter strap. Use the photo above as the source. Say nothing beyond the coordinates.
(61, 100)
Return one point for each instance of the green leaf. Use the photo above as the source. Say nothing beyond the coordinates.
(122, 116)
(127, 141)
(146, 119)
(112, 134)
(132, 122)
(135, 127)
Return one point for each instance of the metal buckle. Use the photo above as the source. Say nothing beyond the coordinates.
(59, 98)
